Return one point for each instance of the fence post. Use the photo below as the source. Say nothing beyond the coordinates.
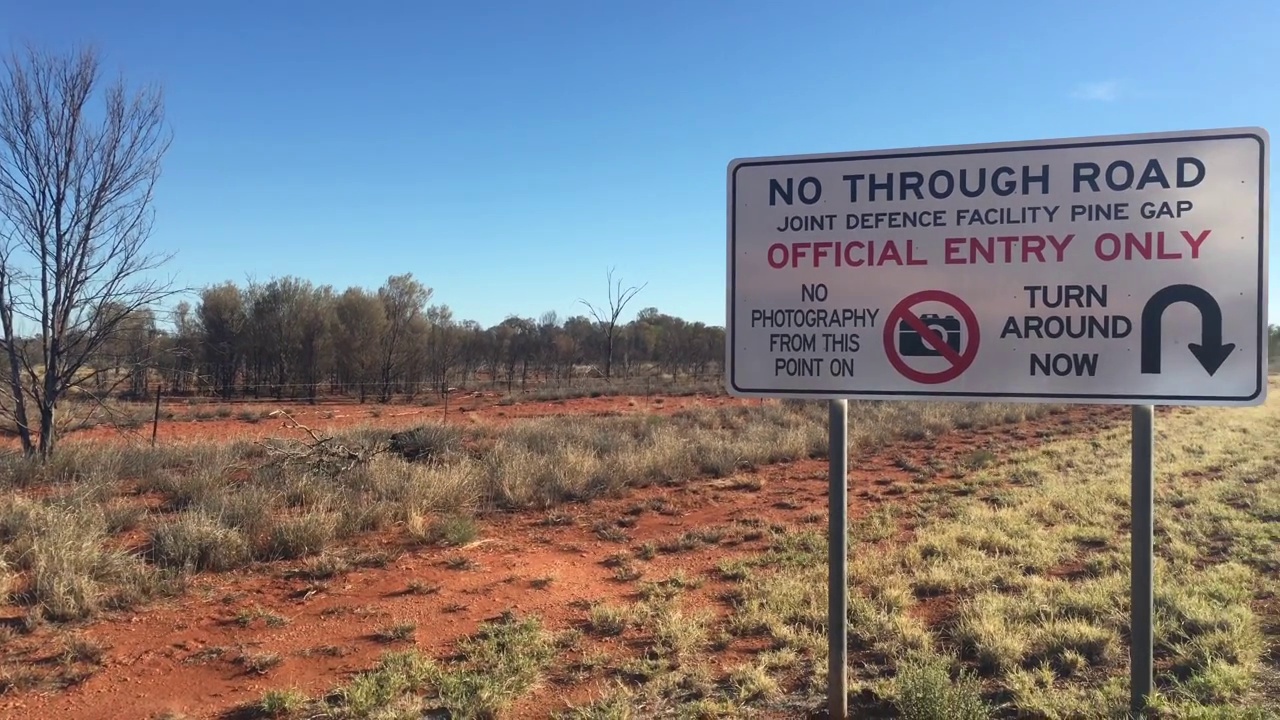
(155, 420)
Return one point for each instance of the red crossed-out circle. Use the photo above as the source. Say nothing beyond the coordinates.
(960, 361)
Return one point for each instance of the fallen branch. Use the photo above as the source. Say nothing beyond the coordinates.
(320, 454)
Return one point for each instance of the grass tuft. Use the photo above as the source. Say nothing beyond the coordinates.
(195, 541)
(281, 703)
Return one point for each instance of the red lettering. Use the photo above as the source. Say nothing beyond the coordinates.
(1061, 247)
(854, 253)
(1032, 245)
(911, 255)
(1142, 246)
(1107, 238)
(890, 249)
(953, 256)
(774, 249)
(1160, 252)
(797, 252)
(820, 251)
(977, 247)
(1008, 241)
(1195, 242)
(849, 258)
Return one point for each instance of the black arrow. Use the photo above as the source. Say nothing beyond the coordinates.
(1211, 352)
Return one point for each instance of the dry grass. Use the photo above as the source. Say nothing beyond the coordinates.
(503, 660)
(1013, 603)
(1001, 596)
(1025, 581)
(224, 507)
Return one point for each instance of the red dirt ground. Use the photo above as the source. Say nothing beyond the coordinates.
(179, 655)
(330, 416)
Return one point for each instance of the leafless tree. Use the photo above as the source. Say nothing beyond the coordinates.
(608, 320)
(76, 185)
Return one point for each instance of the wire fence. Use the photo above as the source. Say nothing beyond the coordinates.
(428, 394)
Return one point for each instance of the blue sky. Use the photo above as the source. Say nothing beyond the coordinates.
(508, 153)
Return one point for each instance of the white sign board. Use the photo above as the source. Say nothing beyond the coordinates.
(1128, 269)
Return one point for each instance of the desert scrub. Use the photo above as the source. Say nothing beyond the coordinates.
(1031, 593)
(497, 665)
(925, 690)
(70, 575)
(196, 541)
(221, 506)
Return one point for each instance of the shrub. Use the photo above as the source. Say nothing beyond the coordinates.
(925, 692)
(296, 537)
(281, 703)
(197, 541)
(426, 442)
(70, 574)
(452, 530)
(609, 619)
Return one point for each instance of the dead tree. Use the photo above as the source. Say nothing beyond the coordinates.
(76, 184)
(608, 320)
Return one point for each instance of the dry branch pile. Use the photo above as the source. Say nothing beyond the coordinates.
(319, 455)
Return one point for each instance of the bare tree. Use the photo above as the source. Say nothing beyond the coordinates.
(608, 320)
(76, 186)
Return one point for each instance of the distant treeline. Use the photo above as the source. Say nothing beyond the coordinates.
(288, 338)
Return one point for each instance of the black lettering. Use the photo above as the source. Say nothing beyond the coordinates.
(964, 183)
(1153, 174)
(1085, 173)
(910, 182)
(815, 190)
(950, 184)
(886, 185)
(777, 190)
(1119, 167)
(1042, 179)
(1039, 365)
(853, 181)
(810, 292)
(840, 342)
(1189, 162)
(798, 367)
(840, 367)
(1007, 187)
(1064, 364)
(1054, 327)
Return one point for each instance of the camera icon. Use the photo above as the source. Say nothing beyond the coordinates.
(911, 344)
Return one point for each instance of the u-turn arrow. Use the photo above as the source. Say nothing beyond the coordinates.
(1211, 351)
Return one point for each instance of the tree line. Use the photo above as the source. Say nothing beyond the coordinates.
(290, 338)
(80, 157)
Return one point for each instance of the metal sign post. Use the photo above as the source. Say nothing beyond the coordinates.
(1142, 550)
(838, 560)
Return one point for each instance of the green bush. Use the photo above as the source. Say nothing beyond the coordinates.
(925, 691)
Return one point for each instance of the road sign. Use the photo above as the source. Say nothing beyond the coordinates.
(1125, 269)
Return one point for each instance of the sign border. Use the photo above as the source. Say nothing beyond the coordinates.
(1258, 134)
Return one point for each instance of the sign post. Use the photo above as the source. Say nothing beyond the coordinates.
(838, 559)
(1126, 269)
(1142, 556)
